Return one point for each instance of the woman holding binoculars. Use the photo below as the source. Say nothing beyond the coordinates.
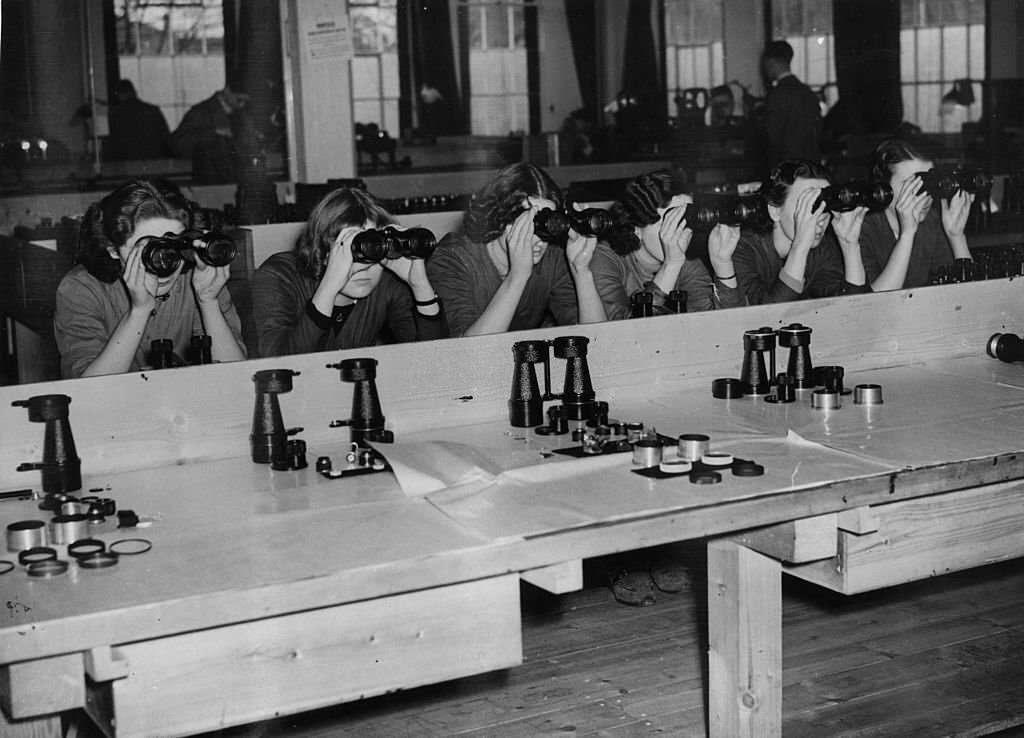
(907, 242)
(110, 306)
(346, 285)
(799, 256)
(501, 274)
(645, 251)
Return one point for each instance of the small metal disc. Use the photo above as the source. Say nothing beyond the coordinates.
(97, 560)
(47, 569)
(747, 469)
(705, 477)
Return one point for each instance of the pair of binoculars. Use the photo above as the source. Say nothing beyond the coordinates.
(552, 226)
(162, 255)
(851, 195)
(942, 185)
(377, 244)
(705, 212)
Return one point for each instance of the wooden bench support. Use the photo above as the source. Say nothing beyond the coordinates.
(744, 642)
(557, 579)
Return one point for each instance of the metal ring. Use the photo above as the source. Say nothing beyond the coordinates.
(6, 566)
(97, 560)
(37, 554)
(716, 459)
(85, 547)
(144, 546)
(47, 569)
(25, 534)
(675, 466)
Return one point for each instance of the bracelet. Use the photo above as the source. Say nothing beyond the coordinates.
(731, 276)
(423, 303)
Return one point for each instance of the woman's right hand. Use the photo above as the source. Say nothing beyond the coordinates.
(722, 242)
(912, 203)
(519, 241)
(339, 260)
(675, 235)
(142, 285)
(806, 217)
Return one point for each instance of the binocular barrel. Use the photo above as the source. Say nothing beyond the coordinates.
(704, 213)
(553, 226)
(851, 195)
(377, 244)
(162, 255)
(942, 185)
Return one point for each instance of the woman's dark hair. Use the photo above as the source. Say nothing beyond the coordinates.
(499, 202)
(338, 209)
(891, 152)
(637, 208)
(782, 176)
(109, 222)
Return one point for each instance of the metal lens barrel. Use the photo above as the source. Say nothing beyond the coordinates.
(216, 249)
(370, 247)
(551, 226)
(161, 256)
(592, 222)
(413, 243)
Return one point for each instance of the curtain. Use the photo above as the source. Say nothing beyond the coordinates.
(433, 55)
(867, 51)
(582, 19)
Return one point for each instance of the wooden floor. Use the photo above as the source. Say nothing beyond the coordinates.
(936, 658)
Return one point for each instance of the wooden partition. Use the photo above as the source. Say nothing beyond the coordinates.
(179, 416)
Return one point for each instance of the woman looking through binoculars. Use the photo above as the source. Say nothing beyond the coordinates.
(905, 243)
(645, 250)
(110, 306)
(342, 287)
(500, 274)
(799, 256)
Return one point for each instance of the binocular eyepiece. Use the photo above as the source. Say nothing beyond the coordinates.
(851, 195)
(704, 213)
(377, 244)
(552, 226)
(942, 185)
(162, 255)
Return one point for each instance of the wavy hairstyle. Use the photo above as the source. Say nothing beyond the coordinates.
(782, 176)
(109, 222)
(891, 152)
(497, 204)
(638, 207)
(338, 209)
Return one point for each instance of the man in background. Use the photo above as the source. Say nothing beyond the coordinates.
(792, 110)
(138, 129)
(207, 135)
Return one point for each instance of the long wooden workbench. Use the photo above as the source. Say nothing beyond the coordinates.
(269, 592)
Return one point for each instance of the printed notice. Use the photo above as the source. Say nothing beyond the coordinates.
(328, 36)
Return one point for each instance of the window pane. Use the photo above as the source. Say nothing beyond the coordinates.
(518, 27)
(677, 22)
(496, 19)
(908, 17)
(476, 27)
(954, 12)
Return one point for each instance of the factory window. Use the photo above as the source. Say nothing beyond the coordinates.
(376, 86)
(498, 78)
(694, 54)
(173, 51)
(941, 42)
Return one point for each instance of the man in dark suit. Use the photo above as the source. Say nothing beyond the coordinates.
(207, 135)
(138, 129)
(792, 110)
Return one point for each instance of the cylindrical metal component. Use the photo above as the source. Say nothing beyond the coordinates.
(867, 394)
(692, 446)
(647, 453)
(825, 400)
(25, 534)
(634, 432)
(797, 338)
(578, 392)
(675, 466)
(716, 459)
(726, 388)
(68, 528)
(526, 403)
(61, 468)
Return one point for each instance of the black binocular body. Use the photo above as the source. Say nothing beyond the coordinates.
(707, 211)
(848, 196)
(162, 255)
(377, 244)
(552, 226)
(942, 185)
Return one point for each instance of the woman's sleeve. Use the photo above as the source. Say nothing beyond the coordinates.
(694, 278)
(283, 323)
(451, 280)
(607, 271)
(78, 327)
(758, 288)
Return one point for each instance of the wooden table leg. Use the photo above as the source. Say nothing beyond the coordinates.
(744, 642)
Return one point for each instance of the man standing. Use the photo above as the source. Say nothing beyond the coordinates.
(206, 135)
(793, 111)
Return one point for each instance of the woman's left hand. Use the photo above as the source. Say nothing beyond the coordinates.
(674, 234)
(847, 226)
(411, 271)
(580, 250)
(955, 212)
(208, 281)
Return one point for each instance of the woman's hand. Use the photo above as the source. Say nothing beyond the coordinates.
(807, 217)
(847, 226)
(208, 281)
(722, 242)
(411, 271)
(339, 260)
(142, 286)
(674, 235)
(955, 212)
(912, 203)
(579, 251)
(518, 240)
